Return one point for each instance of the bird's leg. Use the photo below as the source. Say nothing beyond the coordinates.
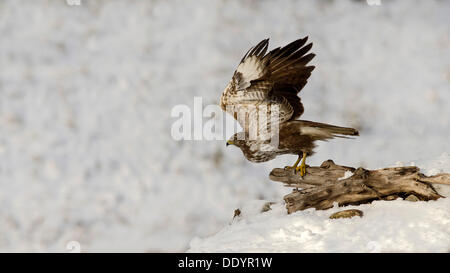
(302, 166)
(293, 166)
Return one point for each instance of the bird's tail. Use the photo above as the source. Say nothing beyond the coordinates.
(312, 128)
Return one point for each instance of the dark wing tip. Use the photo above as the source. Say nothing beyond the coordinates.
(306, 58)
(259, 50)
(307, 47)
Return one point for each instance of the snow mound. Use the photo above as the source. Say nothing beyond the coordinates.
(387, 226)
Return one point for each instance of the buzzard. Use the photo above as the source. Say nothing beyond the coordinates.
(271, 82)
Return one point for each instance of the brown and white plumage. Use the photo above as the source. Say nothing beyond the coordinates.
(296, 137)
(274, 79)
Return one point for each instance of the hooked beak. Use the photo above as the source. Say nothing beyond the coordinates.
(229, 142)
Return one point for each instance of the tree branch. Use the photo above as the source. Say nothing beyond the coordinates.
(323, 186)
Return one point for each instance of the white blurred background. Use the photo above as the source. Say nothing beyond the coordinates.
(86, 94)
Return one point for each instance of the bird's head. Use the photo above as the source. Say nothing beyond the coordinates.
(253, 150)
(237, 139)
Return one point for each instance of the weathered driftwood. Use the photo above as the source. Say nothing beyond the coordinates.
(322, 186)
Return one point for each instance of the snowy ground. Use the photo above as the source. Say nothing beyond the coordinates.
(86, 94)
(387, 226)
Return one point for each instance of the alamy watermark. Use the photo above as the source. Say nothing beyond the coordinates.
(373, 2)
(259, 122)
(73, 2)
(73, 247)
(373, 247)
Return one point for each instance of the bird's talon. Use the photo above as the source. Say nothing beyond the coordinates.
(287, 168)
(302, 169)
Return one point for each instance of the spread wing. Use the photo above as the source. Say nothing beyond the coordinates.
(263, 83)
